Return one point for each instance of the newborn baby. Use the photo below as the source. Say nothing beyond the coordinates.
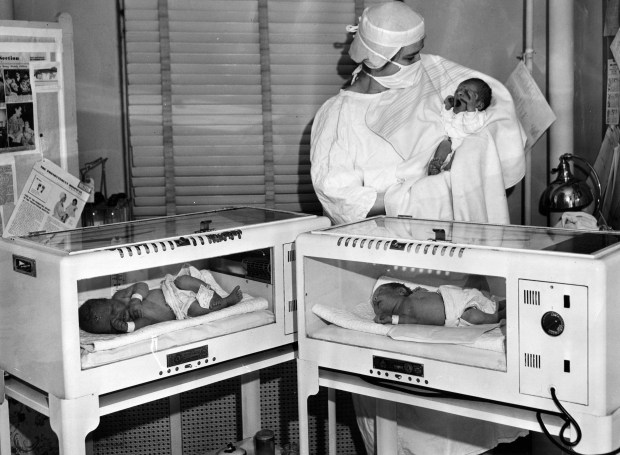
(179, 297)
(451, 306)
(464, 114)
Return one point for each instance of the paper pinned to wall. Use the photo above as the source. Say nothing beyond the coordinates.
(51, 200)
(612, 107)
(533, 111)
(606, 167)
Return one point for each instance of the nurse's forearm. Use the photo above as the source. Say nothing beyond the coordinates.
(378, 207)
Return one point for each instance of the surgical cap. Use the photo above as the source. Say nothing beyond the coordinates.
(384, 29)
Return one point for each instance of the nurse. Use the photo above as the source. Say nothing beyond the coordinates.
(382, 131)
(384, 128)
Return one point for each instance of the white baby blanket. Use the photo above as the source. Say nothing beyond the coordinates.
(484, 165)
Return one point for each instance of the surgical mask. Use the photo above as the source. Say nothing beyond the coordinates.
(406, 76)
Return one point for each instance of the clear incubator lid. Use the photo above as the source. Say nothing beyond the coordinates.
(170, 227)
(481, 235)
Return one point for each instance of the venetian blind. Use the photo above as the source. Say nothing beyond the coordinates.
(221, 97)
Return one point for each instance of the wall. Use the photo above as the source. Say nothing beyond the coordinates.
(486, 35)
(98, 92)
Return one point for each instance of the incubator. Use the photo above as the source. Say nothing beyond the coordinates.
(45, 277)
(554, 352)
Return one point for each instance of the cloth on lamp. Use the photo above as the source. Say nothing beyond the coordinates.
(578, 220)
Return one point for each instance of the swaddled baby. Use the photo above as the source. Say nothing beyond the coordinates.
(451, 306)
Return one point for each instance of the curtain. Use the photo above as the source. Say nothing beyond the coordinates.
(221, 97)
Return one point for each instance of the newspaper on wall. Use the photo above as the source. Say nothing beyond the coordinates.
(51, 200)
(18, 122)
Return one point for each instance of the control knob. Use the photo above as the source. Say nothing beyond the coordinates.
(552, 323)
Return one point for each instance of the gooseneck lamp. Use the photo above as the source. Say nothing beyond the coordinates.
(567, 193)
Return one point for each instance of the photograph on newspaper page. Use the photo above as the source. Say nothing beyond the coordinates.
(51, 200)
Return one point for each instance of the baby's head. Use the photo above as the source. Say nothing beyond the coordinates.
(478, 88)
(387, 296)
(96, 315)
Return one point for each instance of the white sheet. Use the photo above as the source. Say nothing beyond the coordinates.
(187, 335)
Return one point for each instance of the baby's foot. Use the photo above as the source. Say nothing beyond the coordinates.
(235, 296)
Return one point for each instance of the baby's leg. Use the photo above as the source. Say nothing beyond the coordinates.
(475, 316)
(217, 302)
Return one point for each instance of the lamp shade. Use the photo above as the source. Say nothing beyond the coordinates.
(566, 193)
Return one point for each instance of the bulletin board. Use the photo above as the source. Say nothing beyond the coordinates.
(37, 103)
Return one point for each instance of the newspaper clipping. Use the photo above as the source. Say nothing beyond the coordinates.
(52, 200)
(17, 108)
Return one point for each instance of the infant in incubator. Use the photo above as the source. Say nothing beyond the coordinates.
(450, 306)
(179, 297)
(463, 114)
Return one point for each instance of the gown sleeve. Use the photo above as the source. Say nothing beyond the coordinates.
(337, 182)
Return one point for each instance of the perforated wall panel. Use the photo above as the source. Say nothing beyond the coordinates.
(143, 430)
(211, 417)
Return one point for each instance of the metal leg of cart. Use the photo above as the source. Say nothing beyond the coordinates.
(307, 384)
(5, 427)
(72, 420)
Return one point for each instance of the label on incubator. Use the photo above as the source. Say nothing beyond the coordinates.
(190, 355)
(25, 265)
(398, 366)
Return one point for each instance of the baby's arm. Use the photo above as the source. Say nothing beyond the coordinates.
(140, 322)
(441, 153)
(135, 303)
(136, 288)
(400, 319)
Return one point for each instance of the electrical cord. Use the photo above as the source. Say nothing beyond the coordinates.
(568, 420)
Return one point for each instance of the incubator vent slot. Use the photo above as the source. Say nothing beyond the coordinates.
(166, 245)
(395, 245)
(531, 297)
(439, 250)
(531, 360)
(144, 248)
